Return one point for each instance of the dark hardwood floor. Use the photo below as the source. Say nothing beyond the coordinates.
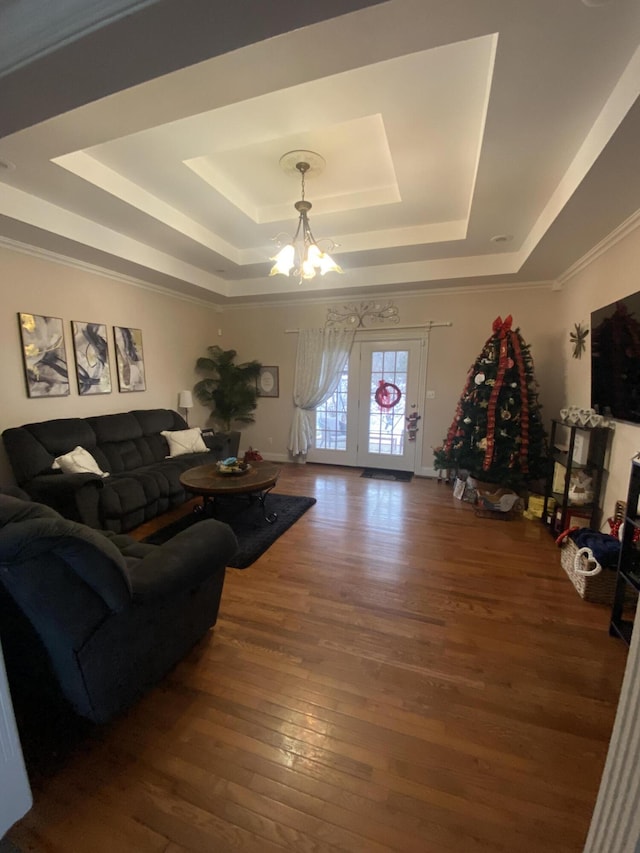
(393, 674)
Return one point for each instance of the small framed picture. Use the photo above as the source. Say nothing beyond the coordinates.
(44, 355)
(268, 382)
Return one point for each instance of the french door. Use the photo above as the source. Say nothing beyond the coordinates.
(352, 427)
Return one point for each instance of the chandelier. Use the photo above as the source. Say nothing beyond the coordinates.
(301, 257)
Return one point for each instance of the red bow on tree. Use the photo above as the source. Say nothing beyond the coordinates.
(502, 328)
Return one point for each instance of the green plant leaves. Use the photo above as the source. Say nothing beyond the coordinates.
(231, 391)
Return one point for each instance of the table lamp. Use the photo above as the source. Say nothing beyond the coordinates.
(185, 401)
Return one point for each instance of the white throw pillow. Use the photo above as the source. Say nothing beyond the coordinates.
(183, 441)
(78, 461)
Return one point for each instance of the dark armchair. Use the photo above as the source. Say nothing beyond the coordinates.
(105, 615)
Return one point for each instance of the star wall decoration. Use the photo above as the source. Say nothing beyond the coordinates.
(579, 339)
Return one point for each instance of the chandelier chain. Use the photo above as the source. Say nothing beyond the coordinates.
(302, 171)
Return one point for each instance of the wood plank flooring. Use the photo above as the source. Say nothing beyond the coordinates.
(394, 675)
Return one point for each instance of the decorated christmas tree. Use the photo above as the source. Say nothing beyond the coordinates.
(497, 433)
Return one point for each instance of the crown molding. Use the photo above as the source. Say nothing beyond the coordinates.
(623, 230)
(380, 294)
(277, 299)
(84, 266)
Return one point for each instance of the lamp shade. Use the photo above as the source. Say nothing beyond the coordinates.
(185, 400)
(284, 260)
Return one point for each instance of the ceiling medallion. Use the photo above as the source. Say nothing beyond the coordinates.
(301, 257)
(362, 315)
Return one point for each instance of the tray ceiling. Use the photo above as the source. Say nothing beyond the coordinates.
(443, 127)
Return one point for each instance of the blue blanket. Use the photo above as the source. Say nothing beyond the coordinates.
(605, 547)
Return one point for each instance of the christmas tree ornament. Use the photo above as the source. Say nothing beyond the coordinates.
(480, 377)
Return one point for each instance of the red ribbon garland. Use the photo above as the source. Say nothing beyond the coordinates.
(524, 406)
(506, 335)
(503, 330)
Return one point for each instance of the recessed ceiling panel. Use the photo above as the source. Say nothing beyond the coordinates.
(401, 140)
(358, 173)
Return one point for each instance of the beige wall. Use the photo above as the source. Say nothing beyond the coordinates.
(545, 317)
(174, 332)
(260, 332)
(610, 276)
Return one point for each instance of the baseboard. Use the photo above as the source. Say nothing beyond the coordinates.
(425, 471)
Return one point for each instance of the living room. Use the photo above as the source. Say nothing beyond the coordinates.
(545, 315)
(181, 309)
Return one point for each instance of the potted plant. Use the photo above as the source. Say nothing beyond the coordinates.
(230, 390)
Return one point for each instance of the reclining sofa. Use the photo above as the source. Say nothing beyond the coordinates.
(139, 480)
(92, 619)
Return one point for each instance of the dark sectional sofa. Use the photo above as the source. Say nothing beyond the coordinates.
(129, 447)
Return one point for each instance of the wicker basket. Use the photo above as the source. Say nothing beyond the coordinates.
(598, 589)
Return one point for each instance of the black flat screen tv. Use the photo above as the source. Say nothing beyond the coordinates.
(615, 359)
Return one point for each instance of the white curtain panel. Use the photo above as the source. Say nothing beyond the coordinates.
(322, 354)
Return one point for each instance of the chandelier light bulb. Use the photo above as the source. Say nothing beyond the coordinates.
(314, 256)
(327, 264)
(285, 260)
(307, 270)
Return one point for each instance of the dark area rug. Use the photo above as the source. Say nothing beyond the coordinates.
(381, 474)
(247, 521)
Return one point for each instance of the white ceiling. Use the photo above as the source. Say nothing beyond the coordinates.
(443, 125)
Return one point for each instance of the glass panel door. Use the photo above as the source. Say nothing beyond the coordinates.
(386, 419)
(390, 369)
(331, 421)
(351, 428)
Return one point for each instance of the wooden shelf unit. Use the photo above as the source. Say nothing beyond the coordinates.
(558, 516)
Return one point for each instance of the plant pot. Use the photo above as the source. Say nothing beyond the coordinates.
(224, 444)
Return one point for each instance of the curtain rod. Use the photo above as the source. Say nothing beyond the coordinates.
(432, 324)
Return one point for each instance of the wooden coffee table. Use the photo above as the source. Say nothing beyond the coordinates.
(207, 481)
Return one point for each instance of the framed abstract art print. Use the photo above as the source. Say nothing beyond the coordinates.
(92, 357)
(44, 355)
(129, 359)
